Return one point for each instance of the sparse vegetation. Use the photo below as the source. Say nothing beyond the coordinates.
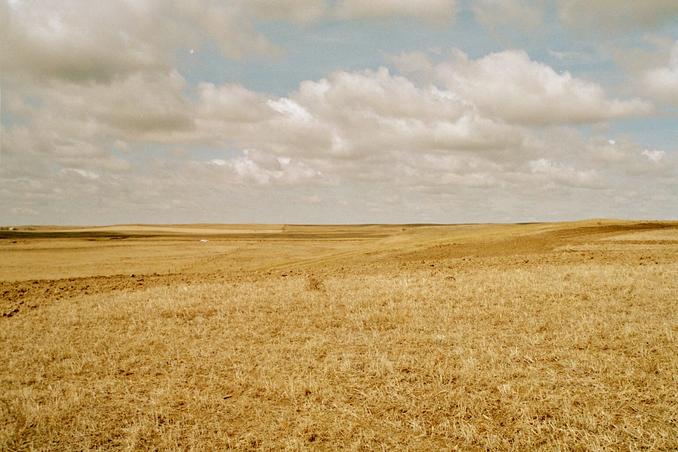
(553, 336)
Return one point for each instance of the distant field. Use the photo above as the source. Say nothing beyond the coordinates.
(534, 336)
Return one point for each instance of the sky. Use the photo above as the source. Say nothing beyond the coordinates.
(337, 111)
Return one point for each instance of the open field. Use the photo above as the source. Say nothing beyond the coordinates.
(503, 337)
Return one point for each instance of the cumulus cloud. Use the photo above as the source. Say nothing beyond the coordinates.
(511, 86)
(347, 115)
(435, 11)
(81, 41)
(553, 173)
(382, 134)
(58, 39)
(263, 169)
(232, 103)
(476, 112)
(64, 39)
(628, 157)
(662, 82)
(122, 131)
(142, 106)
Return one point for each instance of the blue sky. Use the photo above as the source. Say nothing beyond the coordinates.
(314, 111)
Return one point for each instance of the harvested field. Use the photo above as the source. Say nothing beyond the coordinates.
(451, 337)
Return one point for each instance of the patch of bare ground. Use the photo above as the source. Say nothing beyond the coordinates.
(421, 340)
(18, 296)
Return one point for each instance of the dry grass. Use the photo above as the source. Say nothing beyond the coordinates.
(523, 348)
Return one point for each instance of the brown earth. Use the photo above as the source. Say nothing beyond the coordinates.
(237, 256)
(554, 335)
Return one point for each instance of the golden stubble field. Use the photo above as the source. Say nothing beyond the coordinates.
(468, 337)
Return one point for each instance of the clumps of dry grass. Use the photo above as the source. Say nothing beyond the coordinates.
(12, 425)
(315, 284)
(509, 357)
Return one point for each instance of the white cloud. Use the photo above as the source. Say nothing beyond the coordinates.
(346, 125)
(291, 109)
(89, 175)
(64, 40)
(259, 168)
(375, 111)
(141, 106)
(226, 24)
(233, 103)
(378, 93)
(654, 155)
(511, 86)
(662, 82)
(349, 114)
(554, 172)
(628, 157)
(99, 129)
(92, 41)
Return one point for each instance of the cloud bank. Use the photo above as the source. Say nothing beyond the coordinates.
(102, 136)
